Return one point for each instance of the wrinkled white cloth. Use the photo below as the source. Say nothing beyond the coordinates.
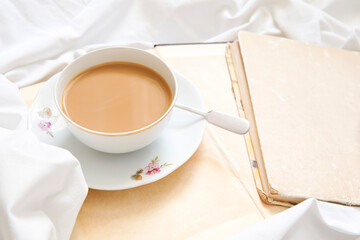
(311, 219)
(37, 36)
(41, 187)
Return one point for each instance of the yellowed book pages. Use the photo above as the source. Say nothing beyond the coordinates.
(304, 105)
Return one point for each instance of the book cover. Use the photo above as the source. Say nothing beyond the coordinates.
(303, 103)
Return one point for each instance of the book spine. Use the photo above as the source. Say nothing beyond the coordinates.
(264, 190)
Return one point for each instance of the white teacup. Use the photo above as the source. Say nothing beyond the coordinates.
(124, 141)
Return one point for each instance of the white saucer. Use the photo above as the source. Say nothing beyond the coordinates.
(122, 171)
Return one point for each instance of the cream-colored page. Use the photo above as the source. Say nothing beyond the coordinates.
(306, 101)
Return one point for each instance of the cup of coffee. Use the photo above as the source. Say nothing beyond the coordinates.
(116, 99)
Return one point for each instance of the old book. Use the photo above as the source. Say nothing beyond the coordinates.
(303, 102)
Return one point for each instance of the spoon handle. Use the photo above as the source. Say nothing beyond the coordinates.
(223, 120)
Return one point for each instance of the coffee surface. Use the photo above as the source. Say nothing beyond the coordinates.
(116, 97)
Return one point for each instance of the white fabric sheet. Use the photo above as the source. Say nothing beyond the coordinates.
(311, 219)
(42, 187)
(37, 36)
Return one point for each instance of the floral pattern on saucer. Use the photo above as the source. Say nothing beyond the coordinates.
(152, 168)
(46, 121)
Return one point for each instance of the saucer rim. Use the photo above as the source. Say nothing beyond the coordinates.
(116, 187)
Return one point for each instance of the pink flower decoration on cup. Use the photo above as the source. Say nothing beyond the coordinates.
(152, 168)
(44, 125)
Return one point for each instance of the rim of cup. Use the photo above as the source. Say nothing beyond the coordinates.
(174, 97)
